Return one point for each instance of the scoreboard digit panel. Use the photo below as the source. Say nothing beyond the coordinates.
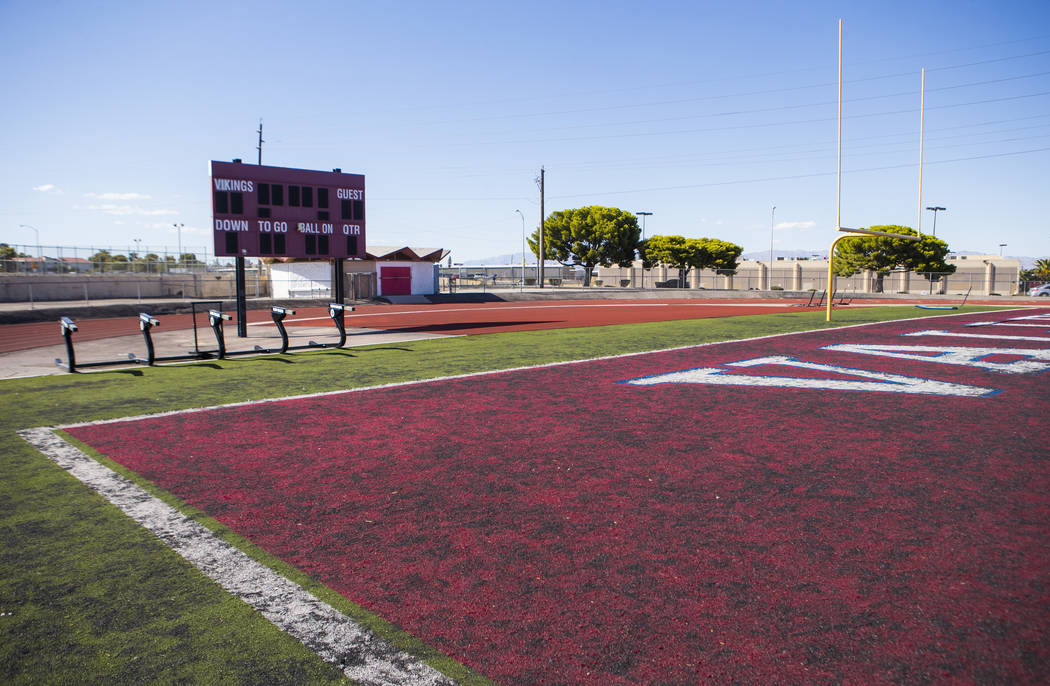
(260, 211)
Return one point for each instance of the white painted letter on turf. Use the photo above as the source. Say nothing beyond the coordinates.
(967, 357)
(953, 334)
(868, 381)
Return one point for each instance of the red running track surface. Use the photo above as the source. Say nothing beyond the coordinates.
(460, 319)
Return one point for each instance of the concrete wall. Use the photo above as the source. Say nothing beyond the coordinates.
(88, 287)
(984, 274)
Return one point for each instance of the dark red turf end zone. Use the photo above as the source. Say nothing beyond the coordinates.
(558, 526)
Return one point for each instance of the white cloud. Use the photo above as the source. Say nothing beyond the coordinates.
(124, 210)
(117, 196)
(47, 188)
(186, 229)
(797, 226)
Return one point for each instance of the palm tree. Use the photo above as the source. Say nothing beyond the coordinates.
(1042, 268)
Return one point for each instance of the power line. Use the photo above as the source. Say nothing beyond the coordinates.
(783, 108)
(768, 124)
(764, 148)
(800, 148)
(769, 91)
(991, 61)
(635, 87)
(794, 176)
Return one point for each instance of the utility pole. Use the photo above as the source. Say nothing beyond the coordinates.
(542, 215)
(259, 147)
(240, 269)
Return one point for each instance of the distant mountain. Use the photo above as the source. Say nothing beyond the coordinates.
(1026, 262)
(764, 254)
(498, 260)
(513, 258)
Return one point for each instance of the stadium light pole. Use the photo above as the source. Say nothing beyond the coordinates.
(522, 248)
(1001, 246)
(935, 210)
(39, 252)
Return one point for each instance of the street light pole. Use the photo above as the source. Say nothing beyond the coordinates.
(178, 227)
(935, 210)
(643, 215)
(39, 252)
(772, 214)
(522, 248)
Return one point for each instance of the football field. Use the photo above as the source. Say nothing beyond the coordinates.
(860, 504)
(863, 504)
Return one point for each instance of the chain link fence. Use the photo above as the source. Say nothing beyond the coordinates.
(105, 281)
(88, 274)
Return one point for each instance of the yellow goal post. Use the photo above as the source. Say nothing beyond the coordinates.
(856, 233)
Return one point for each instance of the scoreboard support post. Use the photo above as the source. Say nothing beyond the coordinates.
(242, 299)
(338, 281)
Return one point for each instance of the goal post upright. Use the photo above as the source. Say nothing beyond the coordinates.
(838, 175)
(854, 233)
(838, 187)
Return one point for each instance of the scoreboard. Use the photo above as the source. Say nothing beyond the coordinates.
(261, 211)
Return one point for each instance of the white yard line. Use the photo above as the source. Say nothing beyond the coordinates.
(360, 654)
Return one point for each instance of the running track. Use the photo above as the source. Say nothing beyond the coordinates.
(458, 319)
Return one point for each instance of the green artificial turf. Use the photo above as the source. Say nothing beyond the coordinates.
(86, 595)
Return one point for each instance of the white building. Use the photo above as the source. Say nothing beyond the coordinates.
(385, 271)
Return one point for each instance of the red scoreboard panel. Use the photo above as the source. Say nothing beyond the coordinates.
(263, 211)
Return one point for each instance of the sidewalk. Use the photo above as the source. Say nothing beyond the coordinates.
(41, 361)
(22, 312)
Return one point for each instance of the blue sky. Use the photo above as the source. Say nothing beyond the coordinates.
(706, 114)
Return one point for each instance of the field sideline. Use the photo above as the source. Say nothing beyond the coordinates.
(86, 592)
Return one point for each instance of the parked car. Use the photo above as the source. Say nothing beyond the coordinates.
(1041, 290)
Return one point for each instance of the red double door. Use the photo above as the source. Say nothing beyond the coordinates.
(395, 280)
